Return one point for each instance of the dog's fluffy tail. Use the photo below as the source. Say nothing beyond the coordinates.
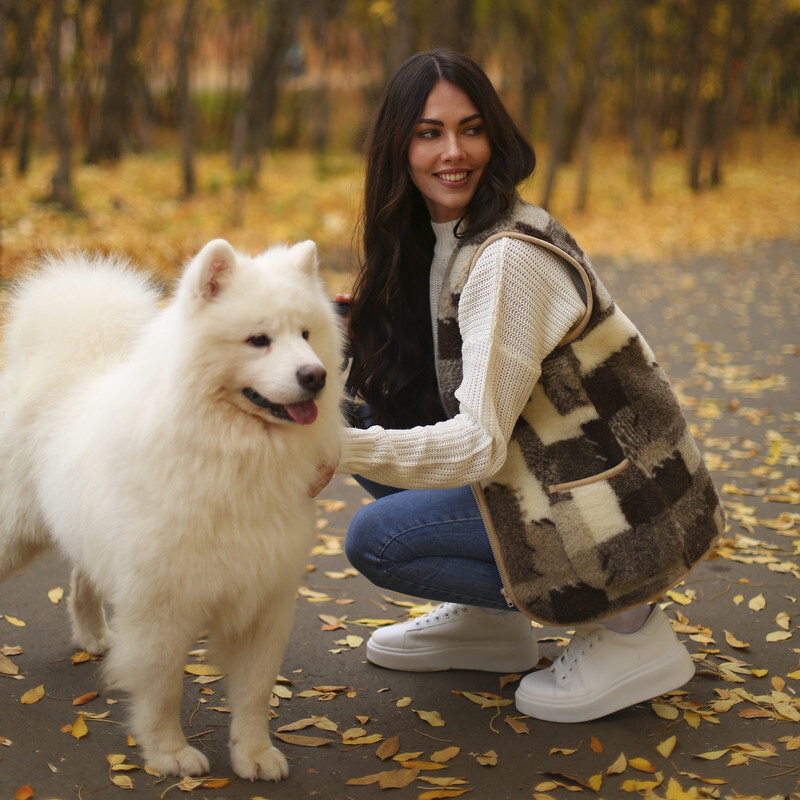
(75, 315)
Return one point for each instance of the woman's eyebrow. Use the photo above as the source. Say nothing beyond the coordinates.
(426, 121)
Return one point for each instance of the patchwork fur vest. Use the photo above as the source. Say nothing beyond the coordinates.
(604, 501)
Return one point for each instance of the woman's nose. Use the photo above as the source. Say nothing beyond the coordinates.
(453, 149)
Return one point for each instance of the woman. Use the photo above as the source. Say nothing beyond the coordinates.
(524, 448)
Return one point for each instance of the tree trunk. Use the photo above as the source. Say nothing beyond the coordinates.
(694, 118)
(26, 23)
(184, 103)
(606, 22)
(729, 104)
(262, 95)
(558, 103)
(61, 186)
(106, 143)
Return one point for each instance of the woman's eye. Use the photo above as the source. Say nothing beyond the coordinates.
(429, 134)
(259, 340)
(475, 130)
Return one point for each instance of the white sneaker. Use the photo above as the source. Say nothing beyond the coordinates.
(601, 672)
(456, 637)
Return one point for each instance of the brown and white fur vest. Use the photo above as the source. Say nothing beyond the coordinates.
(604, 501)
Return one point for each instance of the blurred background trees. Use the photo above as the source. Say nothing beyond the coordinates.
(92, 80)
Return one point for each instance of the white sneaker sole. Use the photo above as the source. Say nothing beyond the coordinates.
(480, 657)
(648, 682)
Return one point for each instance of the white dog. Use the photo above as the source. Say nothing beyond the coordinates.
(170, 454)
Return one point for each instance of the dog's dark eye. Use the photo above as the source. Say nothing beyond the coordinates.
(259, 340)
(306, 334)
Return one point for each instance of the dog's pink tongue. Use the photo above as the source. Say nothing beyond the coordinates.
(304, 413)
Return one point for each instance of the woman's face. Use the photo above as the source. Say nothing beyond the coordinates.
(448, 151)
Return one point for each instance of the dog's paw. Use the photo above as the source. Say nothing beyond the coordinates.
(186, 761)
(264, 765)
(94, 643)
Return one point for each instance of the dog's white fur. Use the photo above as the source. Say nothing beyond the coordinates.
(126, 439)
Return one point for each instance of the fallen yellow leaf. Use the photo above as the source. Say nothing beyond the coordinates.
(401, 757)
(666, 747)
(389, 747)
(642, 786)
(517, 725)
(619, 766)
(734, 642)
(7, 666)
(422, 765)
(302, 741)
(564, 751)
(433, 718)
(55, 595)
(487, 759)
(712, 755)
(202, 669)
(665, 711)
(32, 695)
(389, 779)
(678, 597)
(779, 636)
(757, 603)
(442, 756)
(79, 729)
(84, 698)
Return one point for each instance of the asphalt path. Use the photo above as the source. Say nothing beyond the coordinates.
(726, 329)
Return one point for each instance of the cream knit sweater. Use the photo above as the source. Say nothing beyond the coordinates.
(517, 305)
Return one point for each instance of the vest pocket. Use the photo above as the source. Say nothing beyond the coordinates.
(615, 528)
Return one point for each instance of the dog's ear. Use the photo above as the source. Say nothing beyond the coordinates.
(306, 255)
(211, 268)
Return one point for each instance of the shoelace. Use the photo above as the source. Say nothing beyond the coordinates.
(445, 610)
(580, 645)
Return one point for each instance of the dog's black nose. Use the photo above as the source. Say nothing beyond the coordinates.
(311, 377)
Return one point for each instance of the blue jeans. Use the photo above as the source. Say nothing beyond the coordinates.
(428, 543)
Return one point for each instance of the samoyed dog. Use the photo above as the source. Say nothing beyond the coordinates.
(170, 450)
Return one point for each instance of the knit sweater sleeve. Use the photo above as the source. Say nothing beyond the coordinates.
(517, 305)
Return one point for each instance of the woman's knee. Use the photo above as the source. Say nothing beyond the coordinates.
(361, 539)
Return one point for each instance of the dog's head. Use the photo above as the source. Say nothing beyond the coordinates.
(266, 333)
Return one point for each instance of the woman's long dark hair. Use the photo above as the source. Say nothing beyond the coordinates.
(390, 324)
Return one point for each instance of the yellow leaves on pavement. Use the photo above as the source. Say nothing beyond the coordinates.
(388, 779)
(17, 623)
